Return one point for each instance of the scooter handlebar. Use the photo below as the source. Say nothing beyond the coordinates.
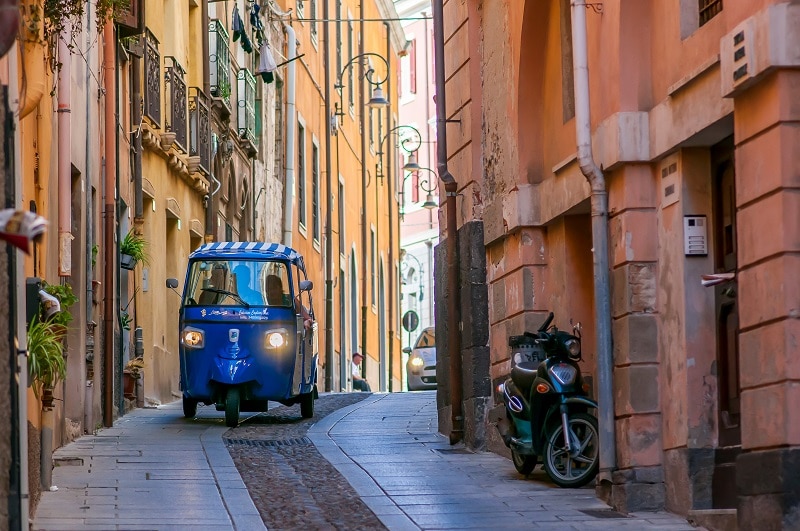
(547, 322)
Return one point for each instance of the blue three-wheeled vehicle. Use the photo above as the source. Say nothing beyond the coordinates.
(247, 331)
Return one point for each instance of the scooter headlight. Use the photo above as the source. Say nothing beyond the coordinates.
(573, 347)
(564, 373)
(193, 338)
(276, 338)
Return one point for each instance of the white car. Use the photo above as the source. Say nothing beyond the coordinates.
(421, 365)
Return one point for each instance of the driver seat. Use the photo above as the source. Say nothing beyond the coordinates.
(218, 280)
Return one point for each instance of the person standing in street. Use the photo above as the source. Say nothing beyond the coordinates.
(359, 383)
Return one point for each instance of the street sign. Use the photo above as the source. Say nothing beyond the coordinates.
(410, 321)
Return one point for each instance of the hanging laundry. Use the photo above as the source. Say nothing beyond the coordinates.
(239, 32)
(266, 63)
(238, 24)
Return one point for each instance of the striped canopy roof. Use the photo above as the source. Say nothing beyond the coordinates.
(261, 250)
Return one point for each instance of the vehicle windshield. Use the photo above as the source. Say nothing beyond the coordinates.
(238, 283)
(426, 339)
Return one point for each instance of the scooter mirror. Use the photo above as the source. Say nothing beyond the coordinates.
(306, 285)
(172, 283)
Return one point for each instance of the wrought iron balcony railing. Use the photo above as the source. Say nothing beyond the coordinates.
(219, 62)
(152, 79)
(199, 128)
(246, 93)
(175, 89)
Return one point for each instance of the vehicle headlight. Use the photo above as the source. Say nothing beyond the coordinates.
(573, 347)
(276, 338)
(417, 362)
(193, 337)
(564, 373)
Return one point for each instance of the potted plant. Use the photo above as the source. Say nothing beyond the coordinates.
(131, 373)
(133, 248)
(46, 363)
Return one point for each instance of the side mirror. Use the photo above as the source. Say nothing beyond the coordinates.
(407, 350)
(306, 285)
(172, 283)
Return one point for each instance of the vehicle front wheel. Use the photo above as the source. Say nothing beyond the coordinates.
(189, 407)
(577, 466)
(232, 401)
(307, 405)
(523, 463)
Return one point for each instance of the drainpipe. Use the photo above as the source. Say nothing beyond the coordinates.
(109, 219)
(363, 132)
(593, 173)
(388, 172)
(291, 127)
(329, 260)
(64, 154)
(136, 139)
(451, 191)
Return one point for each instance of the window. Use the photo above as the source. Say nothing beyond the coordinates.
(341, 214)
(315, 190)
(350, 89)
(412, 67)
(313, 16)
(372, 260)
(299, 8)
(301, 174)
(339, 39)
(708, 9)
(567, 79)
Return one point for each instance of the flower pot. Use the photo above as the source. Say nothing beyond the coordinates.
(47, 397)
(128, 262)
(128, 385)
(193, 163)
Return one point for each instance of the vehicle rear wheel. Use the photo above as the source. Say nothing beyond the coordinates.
(577, 466)
(232, 401)
(189, 407)
(307, 405)
(523, 463)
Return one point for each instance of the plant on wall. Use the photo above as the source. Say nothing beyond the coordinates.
(135, 247)
(66, 297)
(110, 8)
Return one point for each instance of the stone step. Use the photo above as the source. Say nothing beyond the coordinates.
(714, 519)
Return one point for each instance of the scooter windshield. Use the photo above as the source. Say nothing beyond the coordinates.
(238, 283)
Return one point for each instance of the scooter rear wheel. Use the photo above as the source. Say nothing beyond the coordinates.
(523, 463)
(307, 405)
(232, 401)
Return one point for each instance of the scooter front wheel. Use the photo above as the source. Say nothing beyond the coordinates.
(523, 463)
(189, 407)
(577, 466)
(232, 401)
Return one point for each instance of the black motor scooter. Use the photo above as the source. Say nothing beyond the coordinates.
(544, 399)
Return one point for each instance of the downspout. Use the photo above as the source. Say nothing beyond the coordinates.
(389, 127)
(451, 191)
(329, 261)
(136, 139)
(109, 219)
(18, 471)
(593, 173)
(64, 153)
(363, 131)
(291, 127)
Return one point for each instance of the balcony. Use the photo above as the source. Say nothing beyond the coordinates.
(152, 79)
(246, 93)
(199, 129)
(175, 89)
(219, 63)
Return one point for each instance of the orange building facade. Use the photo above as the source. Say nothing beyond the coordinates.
(694, 124)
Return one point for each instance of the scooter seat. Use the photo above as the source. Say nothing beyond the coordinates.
(523, 374)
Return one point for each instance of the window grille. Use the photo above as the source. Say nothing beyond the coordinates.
(246, 93)
(709, 9)
(301, 174)
(152, 79)
(175, 90)
(199, 128)
(219, 62)
(315, 210)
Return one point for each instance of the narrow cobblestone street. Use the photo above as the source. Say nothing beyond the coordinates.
(292, 485)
